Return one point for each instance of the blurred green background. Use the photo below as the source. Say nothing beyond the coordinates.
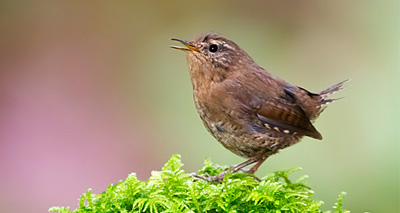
(90, 91)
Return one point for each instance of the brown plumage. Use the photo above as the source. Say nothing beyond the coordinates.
(250, 112)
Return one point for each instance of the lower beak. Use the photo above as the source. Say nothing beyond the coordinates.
(190, 47)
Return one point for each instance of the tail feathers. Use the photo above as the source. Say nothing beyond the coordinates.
(330, 100)
(324, 94)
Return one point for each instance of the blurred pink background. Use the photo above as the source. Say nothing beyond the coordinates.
(90, 92)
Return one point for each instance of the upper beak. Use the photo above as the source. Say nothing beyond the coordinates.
(189, 45)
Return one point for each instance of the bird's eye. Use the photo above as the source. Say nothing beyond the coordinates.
(213, 48)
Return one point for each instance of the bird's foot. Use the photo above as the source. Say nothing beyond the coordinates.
(245, 170)
(220, 176)
(207, 177)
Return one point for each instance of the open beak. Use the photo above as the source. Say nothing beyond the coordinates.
(190, 47)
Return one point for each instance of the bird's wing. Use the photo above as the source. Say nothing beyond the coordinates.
(284, 115)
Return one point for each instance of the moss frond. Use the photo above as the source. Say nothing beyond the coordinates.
(173, 190)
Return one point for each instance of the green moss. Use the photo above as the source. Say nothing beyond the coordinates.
(173, 190)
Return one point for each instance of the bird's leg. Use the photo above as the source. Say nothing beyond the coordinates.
(253, 169)
(242, 165)
(258, 164)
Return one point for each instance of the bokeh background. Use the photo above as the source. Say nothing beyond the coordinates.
(90, 91)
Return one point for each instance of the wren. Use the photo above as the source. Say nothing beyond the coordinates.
(249, 111)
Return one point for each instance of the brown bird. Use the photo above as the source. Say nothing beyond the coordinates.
(249, 111)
